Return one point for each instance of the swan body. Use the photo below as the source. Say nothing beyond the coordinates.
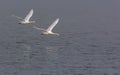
(47, 33)
(26, 20)
(49, 29)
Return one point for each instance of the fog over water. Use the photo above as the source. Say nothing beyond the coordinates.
(89, 41)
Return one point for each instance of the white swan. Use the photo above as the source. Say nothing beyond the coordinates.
(26, 19)
(49, 29)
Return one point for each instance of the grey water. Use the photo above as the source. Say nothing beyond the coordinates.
(89, 41)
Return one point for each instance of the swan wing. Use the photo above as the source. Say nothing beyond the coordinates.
(29, 15)
(38, 28)
(17, 17)
(53, 25)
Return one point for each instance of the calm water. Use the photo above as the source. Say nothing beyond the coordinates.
(89, 43)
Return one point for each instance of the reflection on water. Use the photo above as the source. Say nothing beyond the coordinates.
(52, 52)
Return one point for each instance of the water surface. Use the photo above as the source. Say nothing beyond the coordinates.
(89, 43)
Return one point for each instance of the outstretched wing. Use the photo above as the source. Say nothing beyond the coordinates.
(29, 15)
(38, 28)
(52, 25)
(17, 17)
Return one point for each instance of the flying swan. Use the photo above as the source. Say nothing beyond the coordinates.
(26, 19)
(49, 29)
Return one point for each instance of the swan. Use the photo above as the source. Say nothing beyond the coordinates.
(49, 29)
(26, 20)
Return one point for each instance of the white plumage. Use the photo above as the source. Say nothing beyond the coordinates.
(26, 20)
(49, 29)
